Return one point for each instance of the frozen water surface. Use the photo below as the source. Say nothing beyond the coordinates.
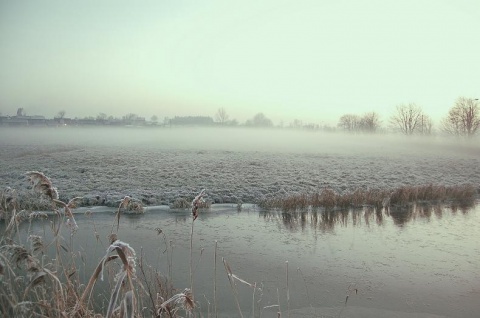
(423, 265)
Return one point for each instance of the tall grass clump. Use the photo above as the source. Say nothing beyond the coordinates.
(8, 202)
(328, 199)
(41, 279)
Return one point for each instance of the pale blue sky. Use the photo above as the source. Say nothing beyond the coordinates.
(311, 60)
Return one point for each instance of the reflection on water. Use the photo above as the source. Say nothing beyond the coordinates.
(326, 220)
(419, 260)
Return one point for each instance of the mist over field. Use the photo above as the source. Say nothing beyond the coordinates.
(162, 165)
(240, 139)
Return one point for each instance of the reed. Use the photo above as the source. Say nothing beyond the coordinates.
(8, 202)
(288, 289)
(232, 285)
(197, 201)
(232, 279)
(215, 280)
(328, 199)
(53, 289)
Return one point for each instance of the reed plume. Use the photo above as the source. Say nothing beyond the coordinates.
(42, 184)
(183, 299)
(196, 204)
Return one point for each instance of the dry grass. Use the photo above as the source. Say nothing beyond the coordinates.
(31, 286)
(376, 198)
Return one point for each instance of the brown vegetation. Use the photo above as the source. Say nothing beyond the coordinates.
(377, 198)
(34, 287)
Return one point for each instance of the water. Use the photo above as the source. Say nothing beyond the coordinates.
(417, 262)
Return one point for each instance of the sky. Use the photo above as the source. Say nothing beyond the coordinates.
(311, 60)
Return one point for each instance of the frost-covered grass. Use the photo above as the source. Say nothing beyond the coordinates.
(104, 174)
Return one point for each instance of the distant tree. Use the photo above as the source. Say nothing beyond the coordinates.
(21, 112)
(61, 114)
(221, 116)
(370, 122)
(192, 120)
(259, 120)
(296, 123)
(102, 117)
(154, 118)
(232, 122)
(130, 117)
(425, 125)
(349, 122)
(406, 118)
(463, 119)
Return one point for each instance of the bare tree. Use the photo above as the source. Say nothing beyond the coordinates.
(154, 118)
(130, 117)
(259, 120)
(370, 122)
(425, 125)
(61, 114)
(463, 119)
(297, 123)
(232, 122)
(221, 116)
(21, 112)
(349, 122)
(406, 118)
(101, 116)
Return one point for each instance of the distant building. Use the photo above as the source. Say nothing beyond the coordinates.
(139, 121)
(36, 120)
(114, 122)
(86, 121)
(23, 120)
(192, 120)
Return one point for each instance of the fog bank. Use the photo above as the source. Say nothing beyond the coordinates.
(238, 139)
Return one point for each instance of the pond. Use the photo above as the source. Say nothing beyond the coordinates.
(421, 261)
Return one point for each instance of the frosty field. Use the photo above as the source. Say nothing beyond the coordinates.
(158, 166)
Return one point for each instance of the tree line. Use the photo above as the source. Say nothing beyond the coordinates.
(463, 119)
